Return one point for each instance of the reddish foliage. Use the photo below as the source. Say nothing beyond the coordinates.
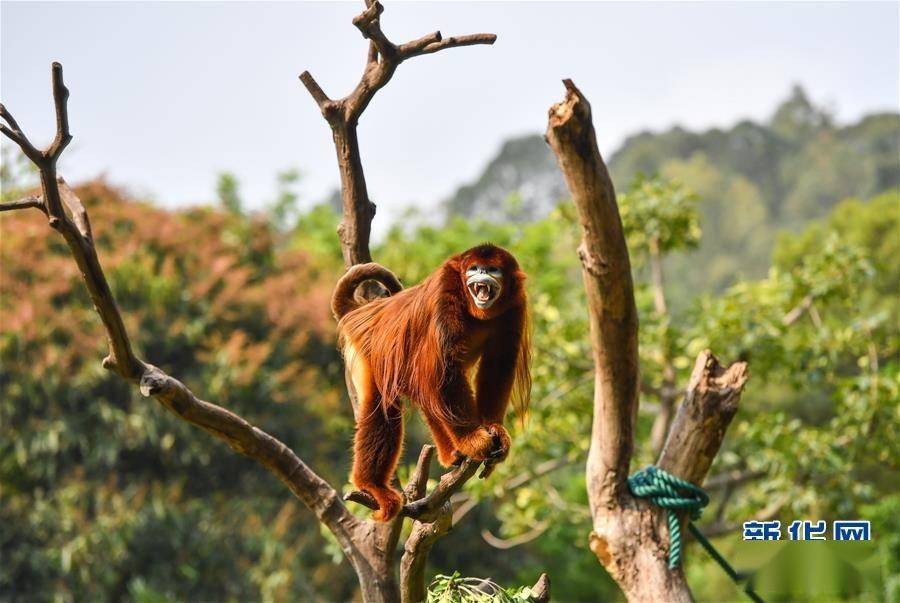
(195, 286)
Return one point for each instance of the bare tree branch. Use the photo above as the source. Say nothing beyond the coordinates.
(315, 90)
(418, 481)
(239, 434)
(428, 507)
(343, 114)
(606, 272)
(61, 104)
(510, 543)
(415, 554)
(434, 43)
(14, 133)
(699, 427)
(23, 203)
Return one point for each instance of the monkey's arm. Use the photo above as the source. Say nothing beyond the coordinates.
(497, 370)
(456, 414)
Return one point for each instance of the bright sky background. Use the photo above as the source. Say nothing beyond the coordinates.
(166, 95)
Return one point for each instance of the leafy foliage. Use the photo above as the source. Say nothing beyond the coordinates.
(661, 214)
(456, 589)
(105, 494)
(106, 497)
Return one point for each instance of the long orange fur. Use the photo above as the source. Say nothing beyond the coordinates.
(459, 364)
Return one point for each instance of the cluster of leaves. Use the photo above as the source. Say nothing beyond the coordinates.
(456, 589)
(658, 214)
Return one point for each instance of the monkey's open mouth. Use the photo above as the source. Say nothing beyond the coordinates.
(484, 290)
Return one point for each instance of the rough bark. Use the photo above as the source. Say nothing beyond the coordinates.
(423, 534)
(699, 427)
(629, 536)
(606, 272)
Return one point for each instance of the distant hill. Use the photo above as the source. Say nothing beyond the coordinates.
(752, 179)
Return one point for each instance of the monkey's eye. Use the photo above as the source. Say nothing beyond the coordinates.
(472, 268)
(495, 271)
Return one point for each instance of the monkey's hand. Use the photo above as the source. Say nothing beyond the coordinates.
(500, 451)
(501, 442)
(478, 445)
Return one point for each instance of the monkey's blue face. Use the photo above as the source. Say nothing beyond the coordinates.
(484, 283)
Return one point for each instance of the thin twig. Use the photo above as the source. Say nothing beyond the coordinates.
(60, 102)
(523, 538)
(23, 203)
(314, 89)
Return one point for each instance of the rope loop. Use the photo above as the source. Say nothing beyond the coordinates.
(675, 494)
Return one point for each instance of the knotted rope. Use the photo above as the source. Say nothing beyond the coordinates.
(675, 494)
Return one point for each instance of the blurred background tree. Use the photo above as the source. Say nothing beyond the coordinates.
(797, 223)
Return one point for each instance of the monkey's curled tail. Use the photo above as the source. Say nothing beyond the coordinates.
(344, 300)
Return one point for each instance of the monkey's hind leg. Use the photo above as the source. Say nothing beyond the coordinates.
(378, 439)
(376, 449)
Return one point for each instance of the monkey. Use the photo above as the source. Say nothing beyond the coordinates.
(456, 345)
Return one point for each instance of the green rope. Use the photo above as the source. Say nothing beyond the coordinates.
(675, 494)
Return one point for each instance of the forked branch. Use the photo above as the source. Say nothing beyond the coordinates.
(383, 59)
(343, 115)
(68, 216)
(418, 504)
(629, 536)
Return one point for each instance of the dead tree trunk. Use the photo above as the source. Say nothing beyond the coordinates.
(629, 536)
(370, 547)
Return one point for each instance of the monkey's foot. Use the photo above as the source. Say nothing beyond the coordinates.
(458, 458)
(390, 503)
(386, 502)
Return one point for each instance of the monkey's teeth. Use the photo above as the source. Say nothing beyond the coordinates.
(482, 292)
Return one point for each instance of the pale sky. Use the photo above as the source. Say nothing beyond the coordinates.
(166, 95)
